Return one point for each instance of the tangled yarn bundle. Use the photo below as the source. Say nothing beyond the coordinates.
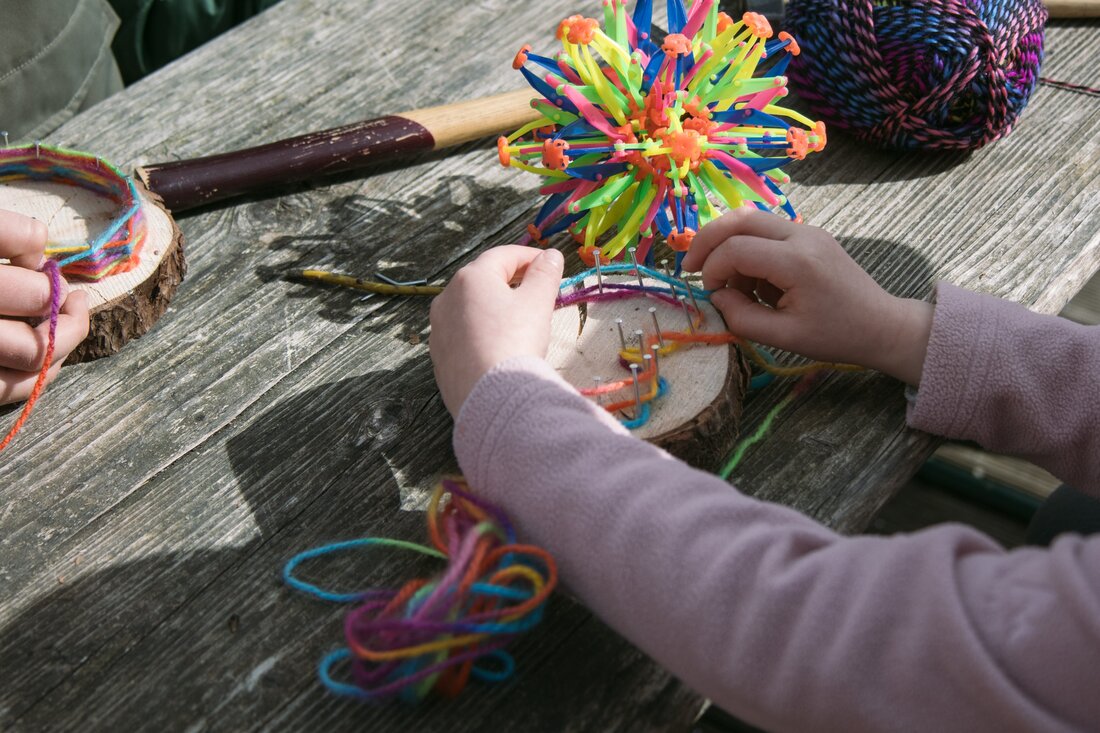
(434, 634)
(933, 74)
(636, 137)
(114, 250)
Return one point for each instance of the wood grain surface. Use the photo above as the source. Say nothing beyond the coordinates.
(148, 506)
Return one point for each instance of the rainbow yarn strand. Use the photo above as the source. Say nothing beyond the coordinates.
(50, 268)
(636, 139)
(434, 634)
(114, 250)
(938, 74)
(617, 395)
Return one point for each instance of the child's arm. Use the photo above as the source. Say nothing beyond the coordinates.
(773, 616)
(25, 296)
(993, 371)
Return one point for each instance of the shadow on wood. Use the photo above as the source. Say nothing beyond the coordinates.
(455, 206)
(210, 637)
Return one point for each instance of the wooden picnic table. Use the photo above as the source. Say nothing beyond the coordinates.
(148, 507)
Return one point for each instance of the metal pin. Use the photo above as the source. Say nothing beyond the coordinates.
(647, 363)
(622, 339)
(656, 326)
(637, 270)
(97, 163)
(664, 266)
(598, 396)
(37, 145)
(383, 278)
(639, 336)
(599, 272)
(656, 351)
(637, 392)
(5, 134)
(687, 313)
(687, 286)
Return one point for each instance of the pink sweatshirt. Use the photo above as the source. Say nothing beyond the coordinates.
(787, 624)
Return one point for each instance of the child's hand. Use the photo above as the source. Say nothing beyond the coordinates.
(25, 296)
(793, 287)
(480, 319)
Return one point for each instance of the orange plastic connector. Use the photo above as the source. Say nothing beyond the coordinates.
(676, 44)
(758, 24)
(681, 241)
(724, 21)
(563, 27)
(696, 108)
(521, 57)
(578, 29)
(819, 131)
(553, 154)
(799, 144)
(698, 124)
(536, 235)
(588, 256)
(503, 153)
(684, 147)
(793, 49)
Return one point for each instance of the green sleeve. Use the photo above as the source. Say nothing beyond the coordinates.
(55, 61)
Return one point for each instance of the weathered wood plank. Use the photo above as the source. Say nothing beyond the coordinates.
(116, 549)
(140, 550)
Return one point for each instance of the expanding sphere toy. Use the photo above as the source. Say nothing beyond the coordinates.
(638, 143)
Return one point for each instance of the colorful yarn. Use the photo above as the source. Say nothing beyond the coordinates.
(51, 270)
(938, 74)
(574, 291)
(765, 425)
(637, 142)
(434, 634)
(1067, 86)
(114, 250)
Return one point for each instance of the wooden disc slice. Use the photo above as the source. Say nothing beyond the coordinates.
(123, 306)
(697, 420)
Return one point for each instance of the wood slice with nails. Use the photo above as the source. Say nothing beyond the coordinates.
(698, 420)
(124, 306)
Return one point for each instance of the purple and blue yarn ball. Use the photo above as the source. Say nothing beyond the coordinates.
(918, 74)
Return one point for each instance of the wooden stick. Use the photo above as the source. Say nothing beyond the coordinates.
(189, 183)
(1073, 8)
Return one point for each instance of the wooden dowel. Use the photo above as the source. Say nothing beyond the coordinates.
(189, 183)
(1073, 8)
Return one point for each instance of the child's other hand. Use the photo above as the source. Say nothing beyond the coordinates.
(25, 299)
(794, 287)
(480, 319)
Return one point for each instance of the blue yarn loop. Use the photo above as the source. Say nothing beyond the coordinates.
(676, 287)
(336, 547)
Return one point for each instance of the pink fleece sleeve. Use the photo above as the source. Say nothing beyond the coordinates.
(771, 615)
(1015, 382)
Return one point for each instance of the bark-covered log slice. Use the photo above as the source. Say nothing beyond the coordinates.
(123, 306)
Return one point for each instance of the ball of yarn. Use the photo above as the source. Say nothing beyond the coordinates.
(934, 74)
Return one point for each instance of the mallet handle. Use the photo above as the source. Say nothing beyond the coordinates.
(1073, 8)
(186, 184)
